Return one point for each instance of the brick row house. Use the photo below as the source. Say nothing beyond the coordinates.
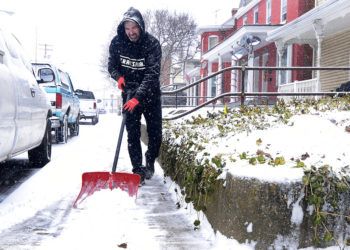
(289, 33)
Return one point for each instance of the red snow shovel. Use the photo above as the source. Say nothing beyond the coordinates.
(94, 181)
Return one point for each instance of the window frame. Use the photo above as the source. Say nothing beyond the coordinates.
(256, 15)
(288, 63)
(268, 11)
(283, 16)
(245, 19)
(210, 46)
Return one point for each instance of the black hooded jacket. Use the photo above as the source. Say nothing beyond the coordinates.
(139, 62)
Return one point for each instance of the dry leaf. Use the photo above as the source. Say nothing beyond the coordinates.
(123, 245)
(347, 128)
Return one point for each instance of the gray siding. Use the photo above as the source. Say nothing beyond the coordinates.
(336, 53)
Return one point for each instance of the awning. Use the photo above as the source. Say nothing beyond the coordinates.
(224, 49)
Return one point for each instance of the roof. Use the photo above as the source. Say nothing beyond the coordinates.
(333, 15)
(212, 28)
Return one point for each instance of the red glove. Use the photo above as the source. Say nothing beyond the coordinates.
(131, 104)
(121, 83)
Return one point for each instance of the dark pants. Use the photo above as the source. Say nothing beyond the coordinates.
(152, 112)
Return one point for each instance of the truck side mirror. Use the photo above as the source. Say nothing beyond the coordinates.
(46, 75)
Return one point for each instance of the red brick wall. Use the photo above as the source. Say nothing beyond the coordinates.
(302, 56)
(227, 78)
(262, 12)
(239, 22)
(205, 38)
(298, 8)
(276, 11)
(214, 67)
(295, 8)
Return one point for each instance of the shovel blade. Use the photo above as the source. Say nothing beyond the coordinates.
(125, 181)
(95, 181)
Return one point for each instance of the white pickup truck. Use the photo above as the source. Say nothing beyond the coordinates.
(88, 105)
(25, 124)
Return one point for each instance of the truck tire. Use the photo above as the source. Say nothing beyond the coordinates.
(74, 129)
(94, 120)
(63, 131)
(41, 155)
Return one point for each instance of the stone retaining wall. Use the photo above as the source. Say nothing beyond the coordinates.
(268, 214)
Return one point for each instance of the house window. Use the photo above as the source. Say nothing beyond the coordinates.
(212, 87)
(245, 20)
(268, 11)
(286, 61)
(283, 11)
(212, 90)
(256, 16)
(212, 42)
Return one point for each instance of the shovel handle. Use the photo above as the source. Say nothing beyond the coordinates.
(120, 137)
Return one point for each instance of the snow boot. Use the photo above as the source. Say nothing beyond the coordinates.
(141, 172)
(149, 170)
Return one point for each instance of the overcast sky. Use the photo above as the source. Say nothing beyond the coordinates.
(79, 29)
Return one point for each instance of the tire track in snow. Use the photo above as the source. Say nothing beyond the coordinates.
(46, 223)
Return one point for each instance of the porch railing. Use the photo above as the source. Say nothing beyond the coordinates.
(308, 87)
(299, 86)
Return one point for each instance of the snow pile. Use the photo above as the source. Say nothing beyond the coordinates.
(269, 144)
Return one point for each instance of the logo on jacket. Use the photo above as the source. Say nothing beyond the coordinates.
(137, 64)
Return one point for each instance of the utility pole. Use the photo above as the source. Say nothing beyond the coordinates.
(47, 48)
(216, 15)
(36, 44)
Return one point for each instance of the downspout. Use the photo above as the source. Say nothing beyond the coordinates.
(319, 28)
(209, 81)
(234, 79)
(219, 79)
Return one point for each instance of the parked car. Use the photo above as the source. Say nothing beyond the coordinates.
(64, 101)
(25, 124)
(88, 106)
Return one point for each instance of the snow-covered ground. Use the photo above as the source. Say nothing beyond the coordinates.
(39, 214)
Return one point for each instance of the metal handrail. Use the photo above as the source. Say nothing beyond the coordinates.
(244, 68)
(251, 94)
(243, 94)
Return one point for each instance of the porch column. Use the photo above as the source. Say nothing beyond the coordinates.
(250, 73)
(219, 79)
(234, 78)
(209, 81)
(280, 49)
(190, 93)
(319, 28)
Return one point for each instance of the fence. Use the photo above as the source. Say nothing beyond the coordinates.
(307, 87)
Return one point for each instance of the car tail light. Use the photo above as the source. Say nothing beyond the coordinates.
(94, 105)
(58, 100)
